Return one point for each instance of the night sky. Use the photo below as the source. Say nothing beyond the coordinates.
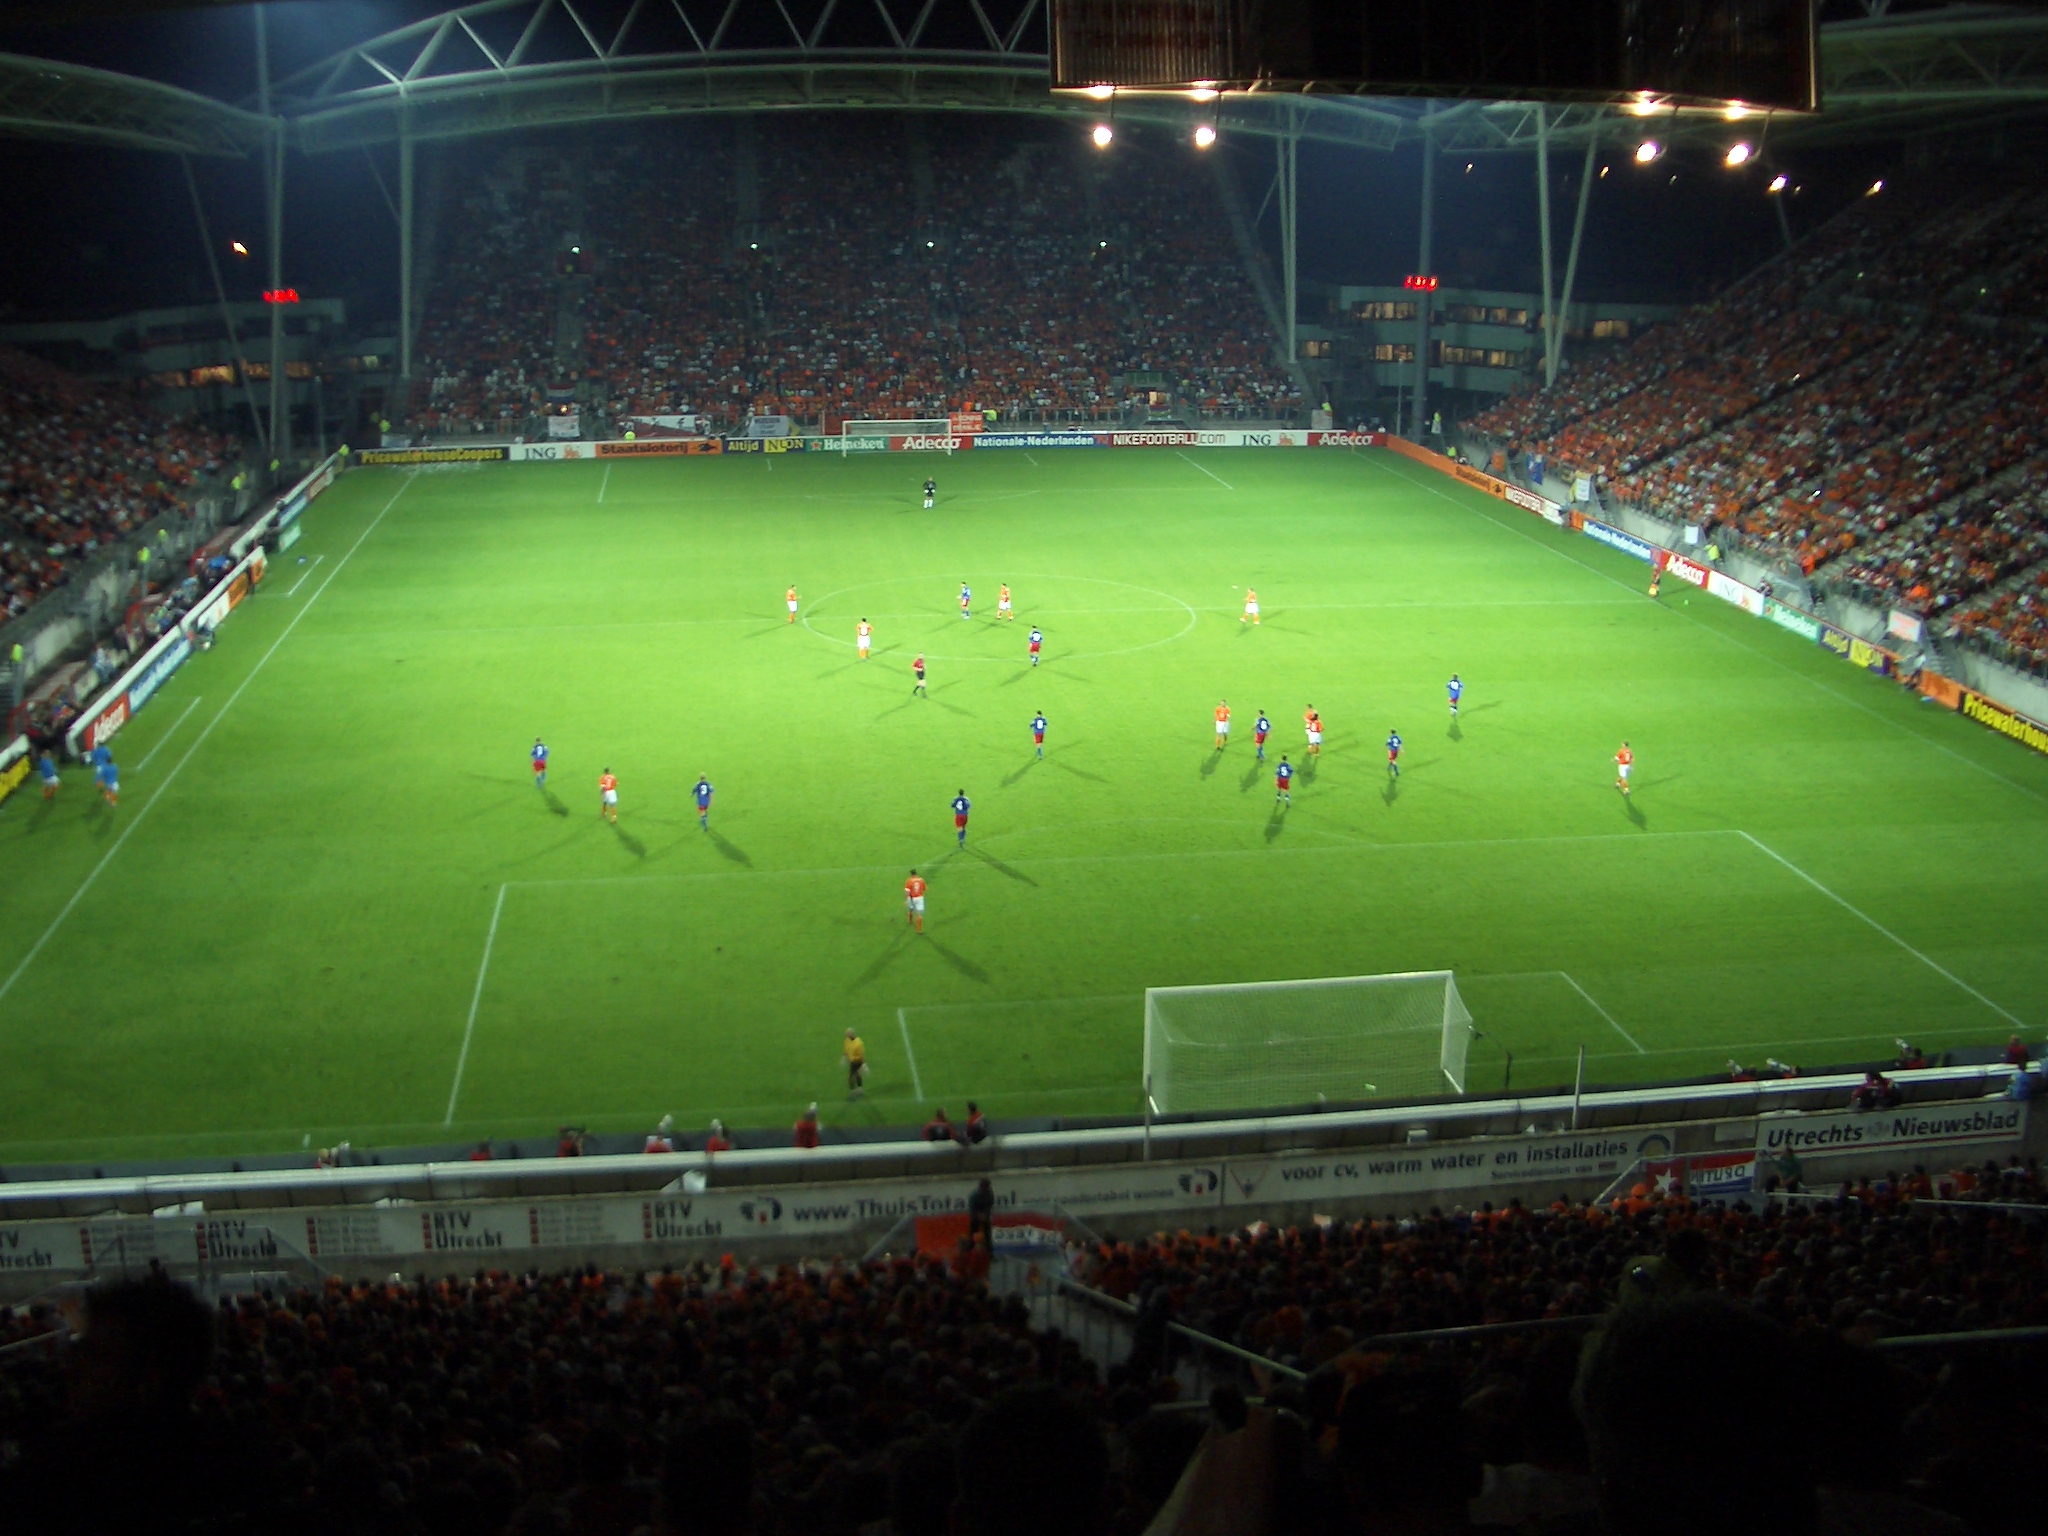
(99, 231)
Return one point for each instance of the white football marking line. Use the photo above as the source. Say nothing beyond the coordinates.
(1595, 1006)
(916, 1083)
(1209, 472)
(170, 778)
(294, 592)
(147, 757)
(475, 998)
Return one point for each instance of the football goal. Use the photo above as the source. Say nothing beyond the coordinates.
(918, 426)
(1267, 1044)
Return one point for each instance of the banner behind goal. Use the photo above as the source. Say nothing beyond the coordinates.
(1264, 1044)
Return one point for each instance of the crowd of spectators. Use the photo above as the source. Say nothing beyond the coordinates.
(80, 467)
(901, 1397)
(1852, 409)
(864, 272)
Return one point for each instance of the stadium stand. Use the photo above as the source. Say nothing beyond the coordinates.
(866, 274)
(1865, 409)
(79, 467)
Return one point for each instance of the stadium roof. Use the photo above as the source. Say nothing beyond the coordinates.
(499, 65)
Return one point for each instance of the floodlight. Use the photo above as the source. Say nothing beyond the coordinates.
(1205, 135)
(1647, 151)
(1735, 111)
(1875, 188)
(1738, 154)
(1102, 135)
(238, 248)
(1205, 90)
(1645, 105)
(1101, 92)
(1778, 183)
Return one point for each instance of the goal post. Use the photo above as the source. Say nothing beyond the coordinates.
(935, 432)
(1268, 1044)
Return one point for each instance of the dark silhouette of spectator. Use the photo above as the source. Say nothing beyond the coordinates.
(1033, 1440)
(939, 1128)
(977, 1125)
(806, 1134)
(981, 1213)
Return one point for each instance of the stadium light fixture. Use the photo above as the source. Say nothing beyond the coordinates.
(238, 248)
(1738, 154)
(1204, 90)
(1875, 188)
(1779, 183)
(1648, 151)
(1603, 172)
(931, 245)
(1100, 92)
(1205, 135)
(1645, 105)
(1102, 135)
(1735, 111)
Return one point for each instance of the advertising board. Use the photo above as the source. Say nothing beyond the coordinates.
(552, 453)
(926, 443)
(1986, 1122)
(1614, 538)
(1347, 439)
(659, 448)
(1801, 624)
(482, 454)
(14, 763)
(1686, 571)
(1906, 626)
(764, 444)
(1037, 440)
(1730, 590)
(2007, 722)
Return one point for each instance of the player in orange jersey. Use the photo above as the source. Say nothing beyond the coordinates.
(1251, 606)
(608, 797)
(1313, 724)
(913, 900)
(1003, 602)
(1623, 761)
(790, 598)
(1222, 725)
(863, 636)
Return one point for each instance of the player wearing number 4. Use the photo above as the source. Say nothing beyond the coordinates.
(1038, 732)
(961, 806)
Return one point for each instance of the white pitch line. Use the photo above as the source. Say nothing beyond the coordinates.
(607, 480)
(1856, 911)
(294, 592)
(1034, 463)
(1835, 694)
(916, 1084)
(475, 998)
(170, 778)
(1592, 1003)
(167, 735)
(1209, 472)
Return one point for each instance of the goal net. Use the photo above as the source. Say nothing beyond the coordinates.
(1265, 1044)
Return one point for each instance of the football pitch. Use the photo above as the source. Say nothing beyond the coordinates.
(332, 903)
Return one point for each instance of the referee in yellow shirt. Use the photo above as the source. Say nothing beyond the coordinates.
(856, 1055)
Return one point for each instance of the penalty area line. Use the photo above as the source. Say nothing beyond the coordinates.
(1209, 472)
(909, 1055)
(1593, 1003)
(475, 999)
(1859, 913)
(171, 778)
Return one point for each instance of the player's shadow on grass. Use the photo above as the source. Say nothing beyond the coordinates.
(959, 962)
(1308, 769)
(1252, 775)
(494, 778)
(1393, 790)
(1635, 813)
(884, 960)
(822, 676)
(1015, 677)
(1276, 823)
(1455, 733)
(554, 802)
(955, 708)
(1018, 777)
(896, 709)
(772, 629)
(1079, 773)
(729, 850)
(1653, 783)
(629, 842)
(1473, 709)
(1000, 867)
(1211, 763)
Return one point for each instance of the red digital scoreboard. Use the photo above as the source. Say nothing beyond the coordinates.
(1420, 283)
(280, 295)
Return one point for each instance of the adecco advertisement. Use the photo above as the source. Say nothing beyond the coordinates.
(1988, 1122)
(133, 688)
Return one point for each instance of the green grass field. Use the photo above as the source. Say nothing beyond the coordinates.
(331, 889)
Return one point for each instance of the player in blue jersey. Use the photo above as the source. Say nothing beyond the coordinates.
(1261, 729)
(703, 796)
(1036, 639)
(966, 600)
(539, 754)
(1283, 781)
(1394, 753)
(1456, 690)
(961, 807)
(107, 775)
(46, 765)
(1038, 731)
